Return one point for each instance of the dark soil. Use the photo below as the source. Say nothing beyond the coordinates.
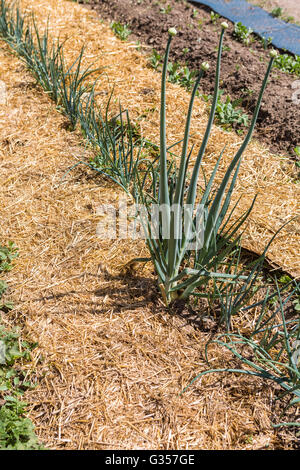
(243, 67)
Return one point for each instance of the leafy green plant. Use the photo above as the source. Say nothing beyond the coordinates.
(228, 113)
(182, 75)
(195, 13)
(266, 42)
(168, 241)
(288, 63)
(290, 19)
(8, 253)
(277, 12)
(242, 33)
(16, 431)
(166, 10)
(214, 17)
(120, 30)
(155, 59)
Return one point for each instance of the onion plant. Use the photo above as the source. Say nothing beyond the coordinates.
(43, 59)
(231, 297)
(66, 85)
(11, 24)
(169, 238)
(72, 86)
(40, 56)
(271, 351)
(118, 150)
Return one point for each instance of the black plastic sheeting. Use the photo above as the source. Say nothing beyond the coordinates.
(284, 36)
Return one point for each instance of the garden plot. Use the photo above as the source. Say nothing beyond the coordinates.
(112, 372)
(244, 59)
(262, 173)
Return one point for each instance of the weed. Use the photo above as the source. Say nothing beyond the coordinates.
(228, 113)
(200, 24)
(166, 10)
(183, 76)
(16, 431)
(155, 59)
(214, 17)
(277, 12)
(121, 30)
(8, 253)
(266, 42)
(288, 63)
(242, 33)
(179, 74)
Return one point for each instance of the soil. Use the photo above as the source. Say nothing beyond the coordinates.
(242, 67)
(289, 7)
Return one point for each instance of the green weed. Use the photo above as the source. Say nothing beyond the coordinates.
(242, 33)
(228, 114)
(288, 63)
(166, 10)
(277, 12)
(214, 17)
(16, 431)
(120, 30)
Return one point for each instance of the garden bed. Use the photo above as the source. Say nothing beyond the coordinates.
(242, 66)
(114, 361)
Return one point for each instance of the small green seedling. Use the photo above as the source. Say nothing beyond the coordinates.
(214, 17)
(166, 10)
(266, 42)
(242, 33)
(288, 63)
(120, 30)
(155, 59)
(277, 12)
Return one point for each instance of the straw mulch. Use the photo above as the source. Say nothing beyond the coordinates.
(111, 361)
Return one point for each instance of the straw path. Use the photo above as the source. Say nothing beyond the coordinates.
(111, 361)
